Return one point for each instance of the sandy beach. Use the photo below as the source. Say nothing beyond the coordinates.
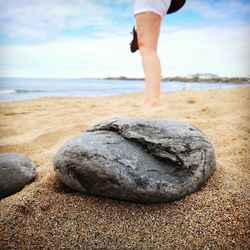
(48, 215)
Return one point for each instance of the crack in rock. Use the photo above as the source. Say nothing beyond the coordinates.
(137, 160)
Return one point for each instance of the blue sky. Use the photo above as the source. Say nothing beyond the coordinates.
(90, 38)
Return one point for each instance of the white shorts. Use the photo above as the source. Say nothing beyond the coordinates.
(159, 7)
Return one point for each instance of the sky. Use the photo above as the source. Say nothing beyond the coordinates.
(90, 38)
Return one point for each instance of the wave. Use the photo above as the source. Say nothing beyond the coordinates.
(22, 91)
(7, 91)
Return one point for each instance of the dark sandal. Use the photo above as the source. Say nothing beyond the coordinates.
(134, 44)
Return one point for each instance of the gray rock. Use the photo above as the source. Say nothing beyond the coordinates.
(16, 170)
(147, 161)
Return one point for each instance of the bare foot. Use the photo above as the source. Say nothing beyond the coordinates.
(149, 105)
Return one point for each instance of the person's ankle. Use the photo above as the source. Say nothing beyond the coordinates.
(152, 102)
(147, 104)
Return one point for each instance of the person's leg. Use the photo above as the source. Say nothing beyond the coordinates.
(148, 29)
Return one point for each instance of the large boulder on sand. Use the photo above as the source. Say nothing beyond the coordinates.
(16, 170)
(147, 161)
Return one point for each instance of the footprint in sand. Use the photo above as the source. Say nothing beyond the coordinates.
(204, 109)
(191, 101)
(14, 113)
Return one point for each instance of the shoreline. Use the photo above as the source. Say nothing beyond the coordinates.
(46, 214)
(197, 79)
(230, 85)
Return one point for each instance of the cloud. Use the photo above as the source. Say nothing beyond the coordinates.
(70, 58)
(83, 38)
(223, 51)
(194, 50)
(44, 19)
(220, 9)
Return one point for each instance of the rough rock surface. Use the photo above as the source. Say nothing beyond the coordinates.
(16, 170)
(147, 161)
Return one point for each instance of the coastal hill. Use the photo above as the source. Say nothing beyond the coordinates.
(205, 77)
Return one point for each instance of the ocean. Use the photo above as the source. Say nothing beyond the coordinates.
(12, 89)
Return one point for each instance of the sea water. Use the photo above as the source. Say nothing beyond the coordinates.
(30, 88)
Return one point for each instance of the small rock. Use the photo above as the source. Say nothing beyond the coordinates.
(148, 161)
(16, 170)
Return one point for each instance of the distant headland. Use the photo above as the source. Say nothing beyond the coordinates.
(206, 77)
